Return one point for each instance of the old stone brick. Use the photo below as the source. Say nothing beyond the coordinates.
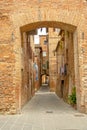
(20, 15)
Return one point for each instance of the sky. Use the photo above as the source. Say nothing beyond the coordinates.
(39, 32)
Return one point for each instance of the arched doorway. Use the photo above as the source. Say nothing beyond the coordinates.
(70, 36)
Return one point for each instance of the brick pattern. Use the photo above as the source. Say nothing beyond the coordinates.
(65, 56)
(69, 15)
(53, 40)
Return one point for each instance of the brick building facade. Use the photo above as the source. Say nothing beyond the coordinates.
(18, 17)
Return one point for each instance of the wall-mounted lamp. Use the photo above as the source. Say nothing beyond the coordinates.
(82, 35)
(12, 37)
(82, 50)
(54, 52)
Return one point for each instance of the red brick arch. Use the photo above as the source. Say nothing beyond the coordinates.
(53, 24)
(41, 24)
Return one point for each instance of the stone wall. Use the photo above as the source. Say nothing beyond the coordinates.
(28, 15)
(65, 59)
(53, 40)
(27, 89)
(37, 82)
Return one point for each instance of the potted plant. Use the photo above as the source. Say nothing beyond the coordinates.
(72, 97)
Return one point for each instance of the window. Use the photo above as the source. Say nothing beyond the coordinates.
(36, 39)
(45, 42)
(44, 54)
(56, 30)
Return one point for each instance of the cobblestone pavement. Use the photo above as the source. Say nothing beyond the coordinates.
(45, 111)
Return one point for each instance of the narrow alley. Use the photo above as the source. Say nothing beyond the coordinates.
(45, 111)
(43, 64)
(48, 102)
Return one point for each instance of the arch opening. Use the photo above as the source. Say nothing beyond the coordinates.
(55, 24)
(61, 58)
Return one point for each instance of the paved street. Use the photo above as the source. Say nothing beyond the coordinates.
(45, 112)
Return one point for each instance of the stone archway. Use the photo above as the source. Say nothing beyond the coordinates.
(22, 17)
(73, 29)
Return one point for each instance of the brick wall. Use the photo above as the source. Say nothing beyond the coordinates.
(27, 89)
(53, 40)
(69, 15)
